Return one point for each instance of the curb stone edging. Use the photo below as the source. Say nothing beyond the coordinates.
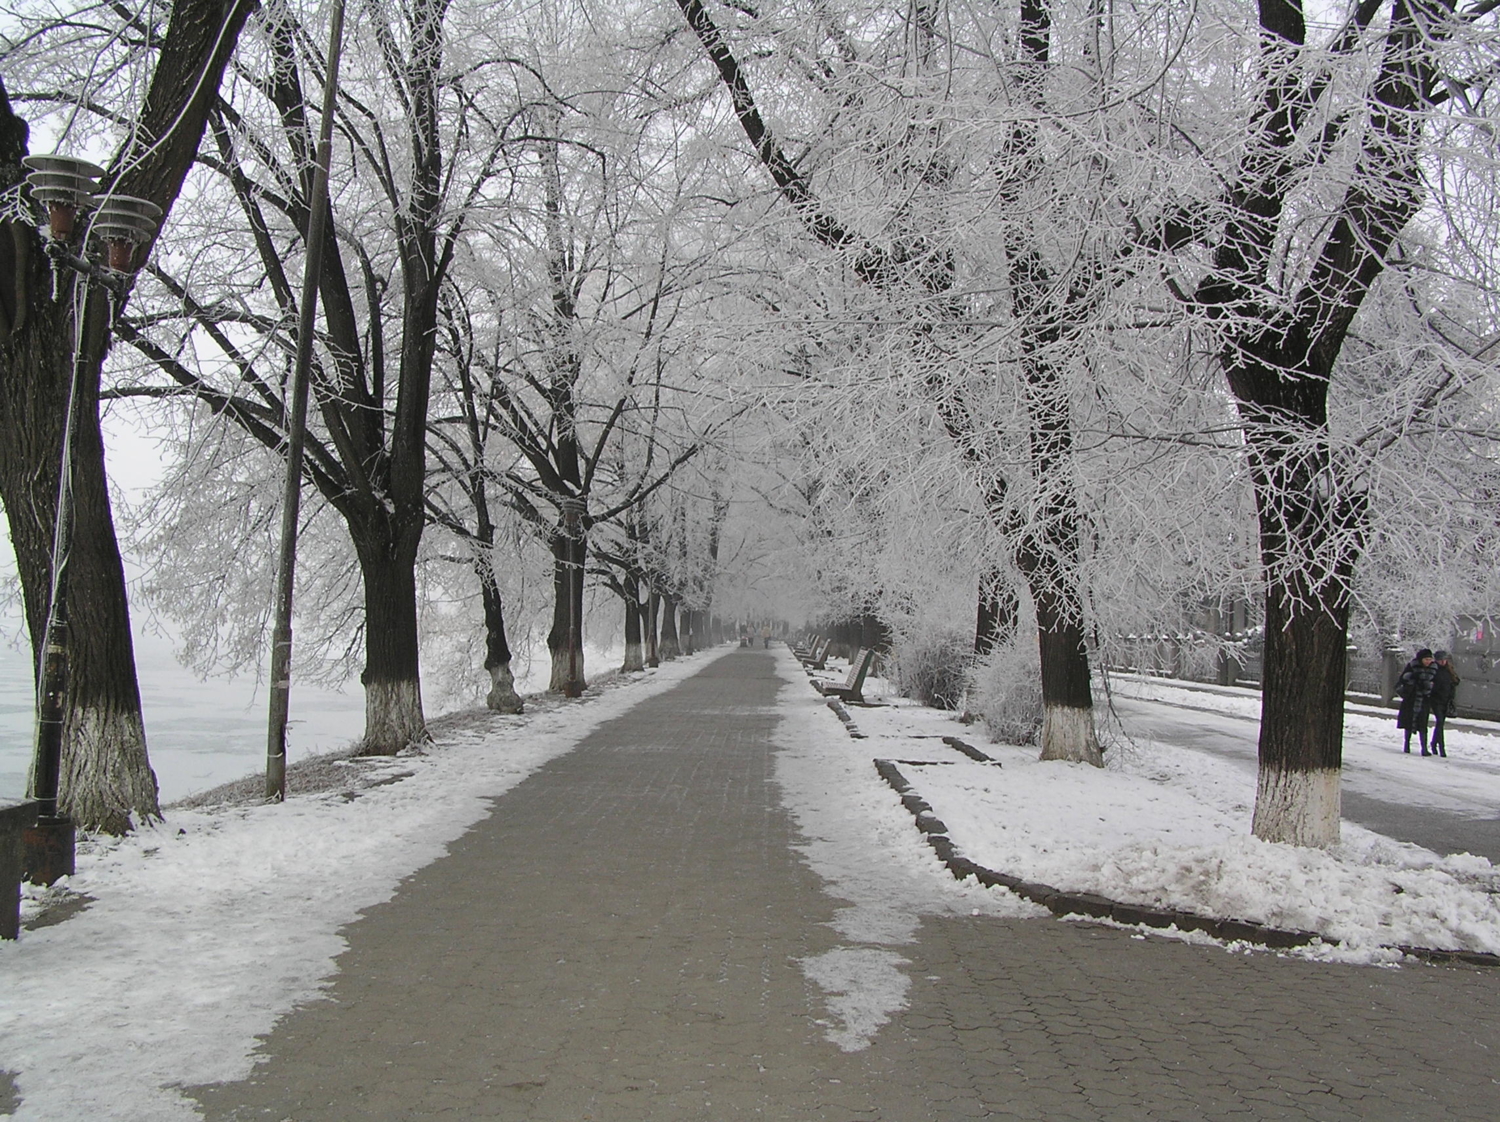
(1093, 906)
(843, 714)
(969, 750)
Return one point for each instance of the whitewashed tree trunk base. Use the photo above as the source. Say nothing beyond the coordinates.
(106, 778)
(503, 697)
(567, 673)
(393, 718)
(635, 658)
(1068, 734)
(1298, 807)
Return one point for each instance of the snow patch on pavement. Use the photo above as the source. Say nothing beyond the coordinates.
(859, 840)
(865, 986)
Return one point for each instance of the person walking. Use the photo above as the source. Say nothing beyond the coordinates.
(1444, 689)
(1415, 688)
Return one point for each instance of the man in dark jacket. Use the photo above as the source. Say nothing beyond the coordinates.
(1415, 688)
(1444, 687)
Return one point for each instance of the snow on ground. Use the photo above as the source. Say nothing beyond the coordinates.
(201, 932)
(1466, 783)
(1170, 827)
(861, 842)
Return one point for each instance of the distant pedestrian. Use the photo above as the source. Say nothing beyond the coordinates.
(1415, 688)
(1444, 693)
(765, 636)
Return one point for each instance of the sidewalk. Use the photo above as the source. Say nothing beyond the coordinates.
(623, 938)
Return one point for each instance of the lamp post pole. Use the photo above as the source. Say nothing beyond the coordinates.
(49, 845)
(122, 224)
(286, 562)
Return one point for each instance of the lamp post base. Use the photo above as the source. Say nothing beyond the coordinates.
(48, 850)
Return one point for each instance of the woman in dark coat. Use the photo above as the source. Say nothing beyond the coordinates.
(1444, 687)
(1415, 688)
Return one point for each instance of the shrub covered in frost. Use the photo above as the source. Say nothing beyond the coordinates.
(933, 667)
(1007, 692)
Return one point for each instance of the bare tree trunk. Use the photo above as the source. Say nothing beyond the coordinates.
(502, 697)
(393, 689)
(668, 647)
(653, 647)
(635, 658)
(565, 640)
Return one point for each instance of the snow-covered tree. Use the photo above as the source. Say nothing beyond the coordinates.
(1309, 204)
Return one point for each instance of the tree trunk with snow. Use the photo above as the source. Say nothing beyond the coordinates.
(105, 777)
(393, 690)
(1280, 349)
(1297, 795)
(996, 617)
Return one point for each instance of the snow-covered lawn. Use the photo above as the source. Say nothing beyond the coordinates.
(1170, 827)
(199, 934)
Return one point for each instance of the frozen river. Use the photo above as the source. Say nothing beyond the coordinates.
(199, 734)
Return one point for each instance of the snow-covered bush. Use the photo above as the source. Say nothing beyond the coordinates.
(1007, 691)
(933, 667)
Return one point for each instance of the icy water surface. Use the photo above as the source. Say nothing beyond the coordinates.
(199, 734)
(15, 719)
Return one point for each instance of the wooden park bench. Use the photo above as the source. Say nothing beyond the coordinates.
(852, 689)
(817, 658)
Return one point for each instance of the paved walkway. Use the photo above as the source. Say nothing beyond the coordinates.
(620, 940)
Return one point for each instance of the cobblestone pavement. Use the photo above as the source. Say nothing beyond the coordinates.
(621, 938)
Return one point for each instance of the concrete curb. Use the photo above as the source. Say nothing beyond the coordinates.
(969, 750)
(842, 712)
(1088, 904)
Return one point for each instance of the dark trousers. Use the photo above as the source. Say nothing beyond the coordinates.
(1418, 723)
(1440, 714)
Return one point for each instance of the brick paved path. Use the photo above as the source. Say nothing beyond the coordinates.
(620, 940)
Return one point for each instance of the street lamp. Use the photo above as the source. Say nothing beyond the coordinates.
(65, 186)
(122, 224)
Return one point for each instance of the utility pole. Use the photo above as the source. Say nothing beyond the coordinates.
(286, 566)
